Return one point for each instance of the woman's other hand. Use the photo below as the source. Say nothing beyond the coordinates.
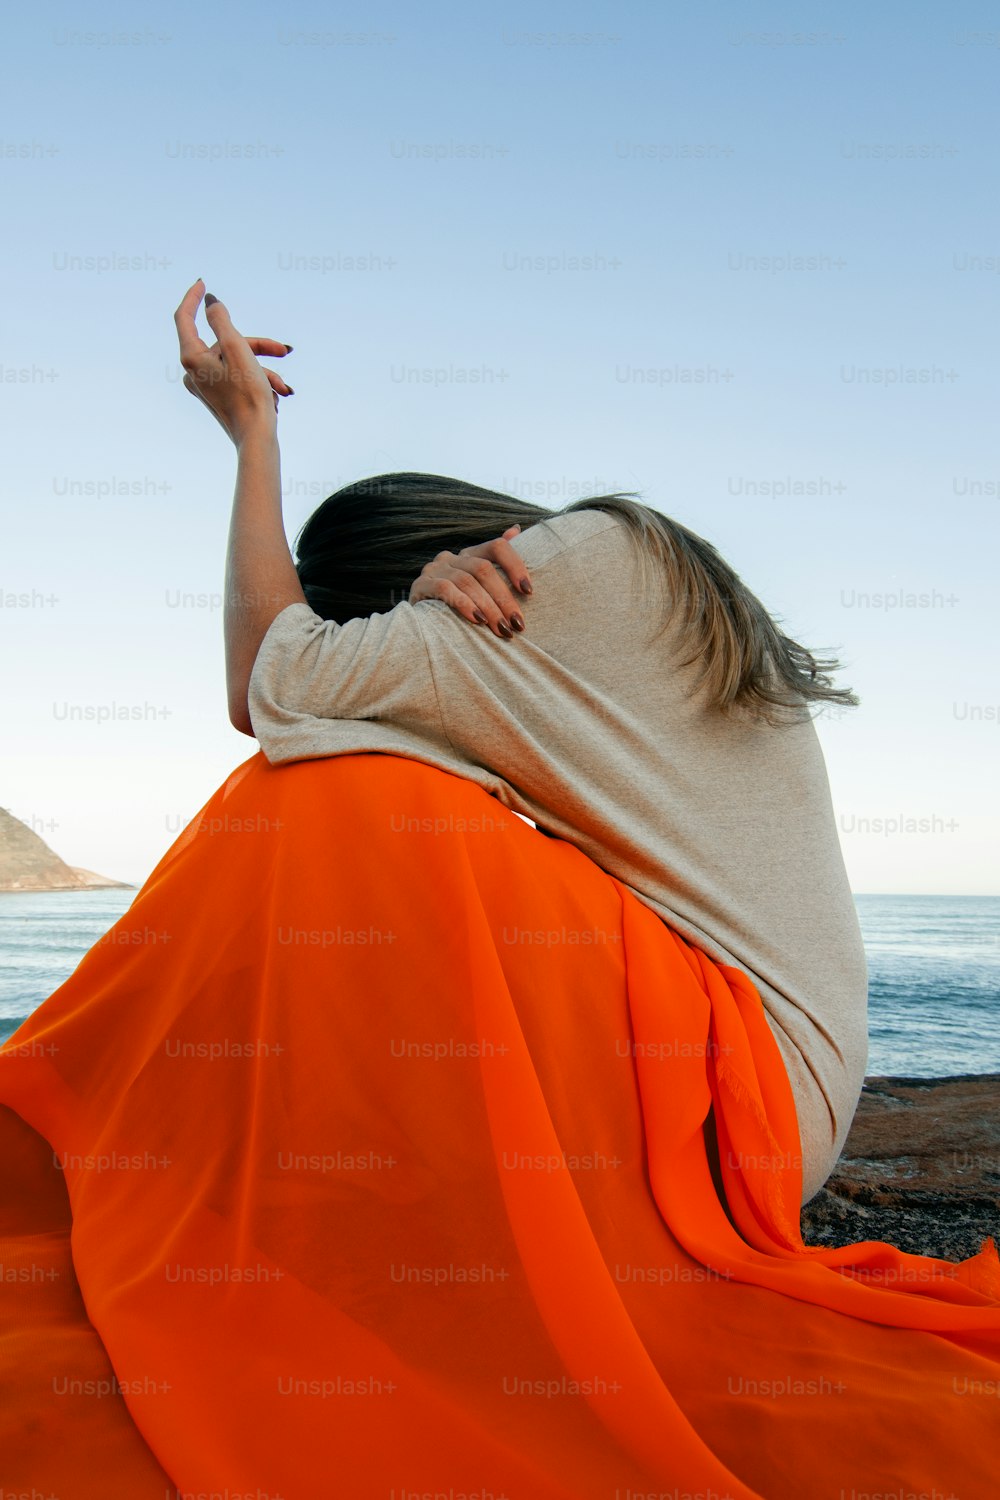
(239, 392)
(468, 581)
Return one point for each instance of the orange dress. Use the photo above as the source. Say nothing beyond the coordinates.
(365, 1157)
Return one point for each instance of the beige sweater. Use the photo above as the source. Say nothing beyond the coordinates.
(724, 827)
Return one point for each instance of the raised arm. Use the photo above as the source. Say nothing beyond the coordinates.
(260, 579)
(260, 576)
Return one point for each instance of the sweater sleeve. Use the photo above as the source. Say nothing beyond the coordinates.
(416, 676)
(370, 668)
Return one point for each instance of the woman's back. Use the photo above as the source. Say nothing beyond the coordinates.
(723, 824)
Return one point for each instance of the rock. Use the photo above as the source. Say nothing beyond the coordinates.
(28, 864)
(920, 1168)
(100, 882)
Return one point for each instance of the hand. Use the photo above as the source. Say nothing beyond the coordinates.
(469, 582)
(239, 392)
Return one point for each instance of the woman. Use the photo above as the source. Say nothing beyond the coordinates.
(410, 1149)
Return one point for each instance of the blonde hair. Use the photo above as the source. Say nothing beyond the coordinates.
(745, 660)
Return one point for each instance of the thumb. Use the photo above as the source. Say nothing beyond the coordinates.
(511, 529)
(218, 319)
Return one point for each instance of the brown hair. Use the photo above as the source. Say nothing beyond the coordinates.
(363, 547)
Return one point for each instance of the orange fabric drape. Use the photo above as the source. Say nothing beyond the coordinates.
(368, 1151)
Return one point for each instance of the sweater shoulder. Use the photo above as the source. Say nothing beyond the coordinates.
(568, 531)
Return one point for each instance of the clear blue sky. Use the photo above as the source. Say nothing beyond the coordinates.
(460, 150)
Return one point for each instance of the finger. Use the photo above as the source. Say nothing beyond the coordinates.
(490, 594)
(274, 347)
(479, 562)
(187, 331)
(218, 319)
(511, 560)
(453, 594)
(277, 383)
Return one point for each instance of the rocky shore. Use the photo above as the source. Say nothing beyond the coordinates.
(28, 864)
(920, 1168)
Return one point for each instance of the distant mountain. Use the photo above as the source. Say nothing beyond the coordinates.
(28, 864)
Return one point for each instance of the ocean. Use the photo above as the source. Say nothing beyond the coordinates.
(934, 971)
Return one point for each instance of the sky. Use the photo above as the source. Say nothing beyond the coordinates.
(742, 261)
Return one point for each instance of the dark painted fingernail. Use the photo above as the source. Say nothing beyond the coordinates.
(525, 586)
(517, 622)
(479, 617)
(505, 630)
(210, 298)
(289, 392)
(289, 348)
